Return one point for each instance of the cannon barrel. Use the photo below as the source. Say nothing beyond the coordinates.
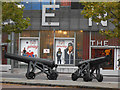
(25, 59)
(95, 61)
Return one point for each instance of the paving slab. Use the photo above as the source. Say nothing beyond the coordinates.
(62, 83)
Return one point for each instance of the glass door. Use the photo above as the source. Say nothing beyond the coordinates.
(100, 53)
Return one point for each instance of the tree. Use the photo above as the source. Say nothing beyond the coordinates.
(97, 11)
(11, 11)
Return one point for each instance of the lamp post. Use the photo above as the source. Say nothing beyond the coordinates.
(10, 22)
(0, 45)
(90, 44)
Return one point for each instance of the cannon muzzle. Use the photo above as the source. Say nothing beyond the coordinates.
(96, 61)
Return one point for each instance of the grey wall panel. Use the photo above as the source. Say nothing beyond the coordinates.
(83, 24)
(74, 24)
(27, 13)
(55, 28)
(32, 13)
(64, 13)
(57, 13)
(95, 27)
(45, 28)
(110, 26)
(35, 23)
(50, 28)
(64, 24)
(74, 13)
(36, 14)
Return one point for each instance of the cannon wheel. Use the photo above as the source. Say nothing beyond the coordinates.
(74, 77)
(53, 75)
(86, 78)
(30, 75)
(100, 79)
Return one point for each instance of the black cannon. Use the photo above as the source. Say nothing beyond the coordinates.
(86, 69)
(44, 65)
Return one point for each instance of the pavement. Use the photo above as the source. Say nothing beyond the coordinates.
(64, 80)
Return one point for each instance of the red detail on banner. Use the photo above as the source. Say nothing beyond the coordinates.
(61, 42)
(32, 47)
(29, 54)
(62, 46)
(32, 42)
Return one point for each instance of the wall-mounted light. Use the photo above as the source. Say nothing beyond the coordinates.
(64, 32)
(60, 31)
(81, 30)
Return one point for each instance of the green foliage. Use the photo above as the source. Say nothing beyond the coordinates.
(10, 0)
(8, 41)
(96, 9)
(10, 10)
(0, 13)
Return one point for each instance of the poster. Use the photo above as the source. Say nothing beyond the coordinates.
(118, 59)
(29, 48)
(46, 50)
(64, 52)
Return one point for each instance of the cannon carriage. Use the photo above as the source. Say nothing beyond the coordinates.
(90, 69)
(44, 65)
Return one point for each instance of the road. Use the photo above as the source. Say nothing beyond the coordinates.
(16, 86)
(22, 86)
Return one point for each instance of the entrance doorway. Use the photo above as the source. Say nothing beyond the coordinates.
(4, 60)
(100, 53)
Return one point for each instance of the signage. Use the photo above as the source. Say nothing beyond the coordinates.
(44, 15)
(46, 50)
(118, 59)
(104, 23)
(99, 43)
(64, 52)
(29, 48)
